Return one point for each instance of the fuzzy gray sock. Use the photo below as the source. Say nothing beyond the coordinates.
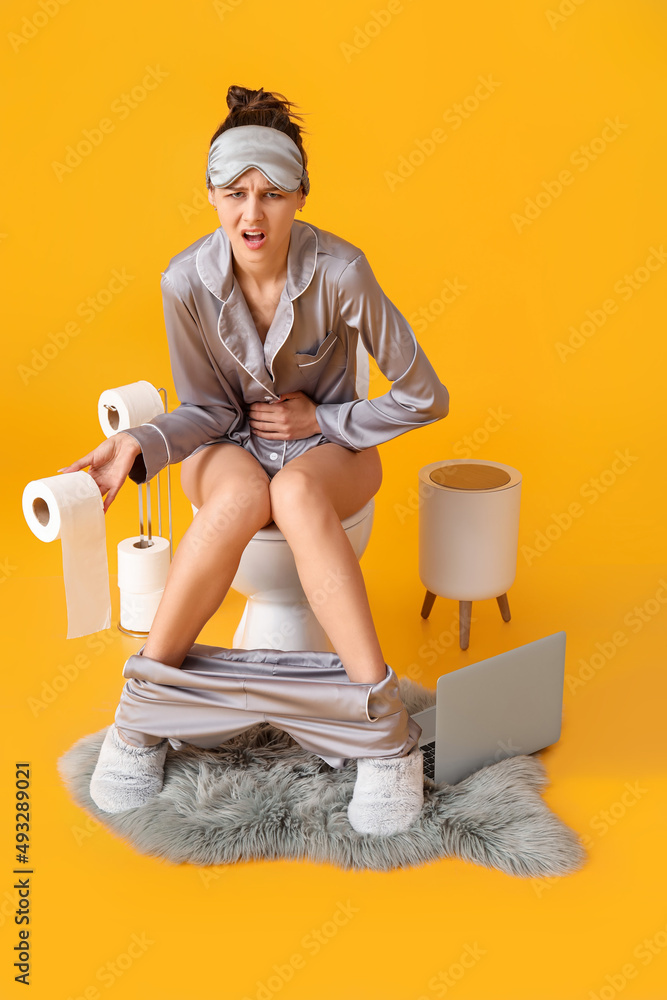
(388, 794)
(125, 776)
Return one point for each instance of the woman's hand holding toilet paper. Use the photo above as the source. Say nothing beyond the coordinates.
(109, 464)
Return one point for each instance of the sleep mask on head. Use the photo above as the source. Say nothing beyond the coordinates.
(268, 149)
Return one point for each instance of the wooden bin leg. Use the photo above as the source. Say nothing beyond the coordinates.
(465, 612)
(428, 604)
(504, 606)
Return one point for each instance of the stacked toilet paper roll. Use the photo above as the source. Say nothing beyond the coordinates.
(142, 569)
(142, 575)
(70, 507)
(128, 406)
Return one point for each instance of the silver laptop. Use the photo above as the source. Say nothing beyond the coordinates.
(505, 705)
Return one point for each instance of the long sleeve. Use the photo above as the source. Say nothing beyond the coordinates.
(416, 397)
(205, 411)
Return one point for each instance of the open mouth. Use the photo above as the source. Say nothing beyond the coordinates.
(254, 238)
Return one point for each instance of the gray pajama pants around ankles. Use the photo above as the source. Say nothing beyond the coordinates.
(218, 693)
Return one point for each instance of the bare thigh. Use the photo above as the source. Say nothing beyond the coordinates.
(219, 464)
(348, 478)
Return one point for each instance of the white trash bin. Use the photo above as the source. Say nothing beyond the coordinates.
(468, 534)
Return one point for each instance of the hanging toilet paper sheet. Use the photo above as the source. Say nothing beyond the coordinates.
(128, 406)
(70, 507)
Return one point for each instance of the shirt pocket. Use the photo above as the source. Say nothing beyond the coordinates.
(312, 365)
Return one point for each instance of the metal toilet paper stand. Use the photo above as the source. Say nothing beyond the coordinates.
(147, 540)
(468, 534)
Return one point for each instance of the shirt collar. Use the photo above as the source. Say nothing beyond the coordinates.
(214, 266)
(214, 261)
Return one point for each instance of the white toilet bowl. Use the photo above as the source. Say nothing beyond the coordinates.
(277, 614)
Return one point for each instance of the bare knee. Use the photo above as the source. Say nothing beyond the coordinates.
(295, 494)
(238, 504)
(231, 483)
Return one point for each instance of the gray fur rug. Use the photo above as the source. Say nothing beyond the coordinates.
(261, 795)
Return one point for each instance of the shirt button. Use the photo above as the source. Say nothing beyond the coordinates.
(273, 455)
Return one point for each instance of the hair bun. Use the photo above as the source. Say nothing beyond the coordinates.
(241, 97)
(261, 107)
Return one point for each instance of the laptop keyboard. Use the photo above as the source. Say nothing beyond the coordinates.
(428, 749)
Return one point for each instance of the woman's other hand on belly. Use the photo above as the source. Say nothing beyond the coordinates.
(290, 417)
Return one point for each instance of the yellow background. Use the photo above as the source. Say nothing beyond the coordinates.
(374, 81)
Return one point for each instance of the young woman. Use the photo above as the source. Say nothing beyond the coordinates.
(263, 317)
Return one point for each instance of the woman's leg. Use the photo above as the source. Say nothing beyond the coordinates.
(231, 490)
(310, 496)
(314, 492)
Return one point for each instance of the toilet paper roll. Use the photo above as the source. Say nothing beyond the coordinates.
(137, 611)
(143, 571)
(70, 507)
(128, 406)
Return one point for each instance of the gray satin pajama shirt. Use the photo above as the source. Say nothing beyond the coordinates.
(219, 364)
(331, 299)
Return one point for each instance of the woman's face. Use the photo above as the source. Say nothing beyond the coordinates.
(253, 203)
